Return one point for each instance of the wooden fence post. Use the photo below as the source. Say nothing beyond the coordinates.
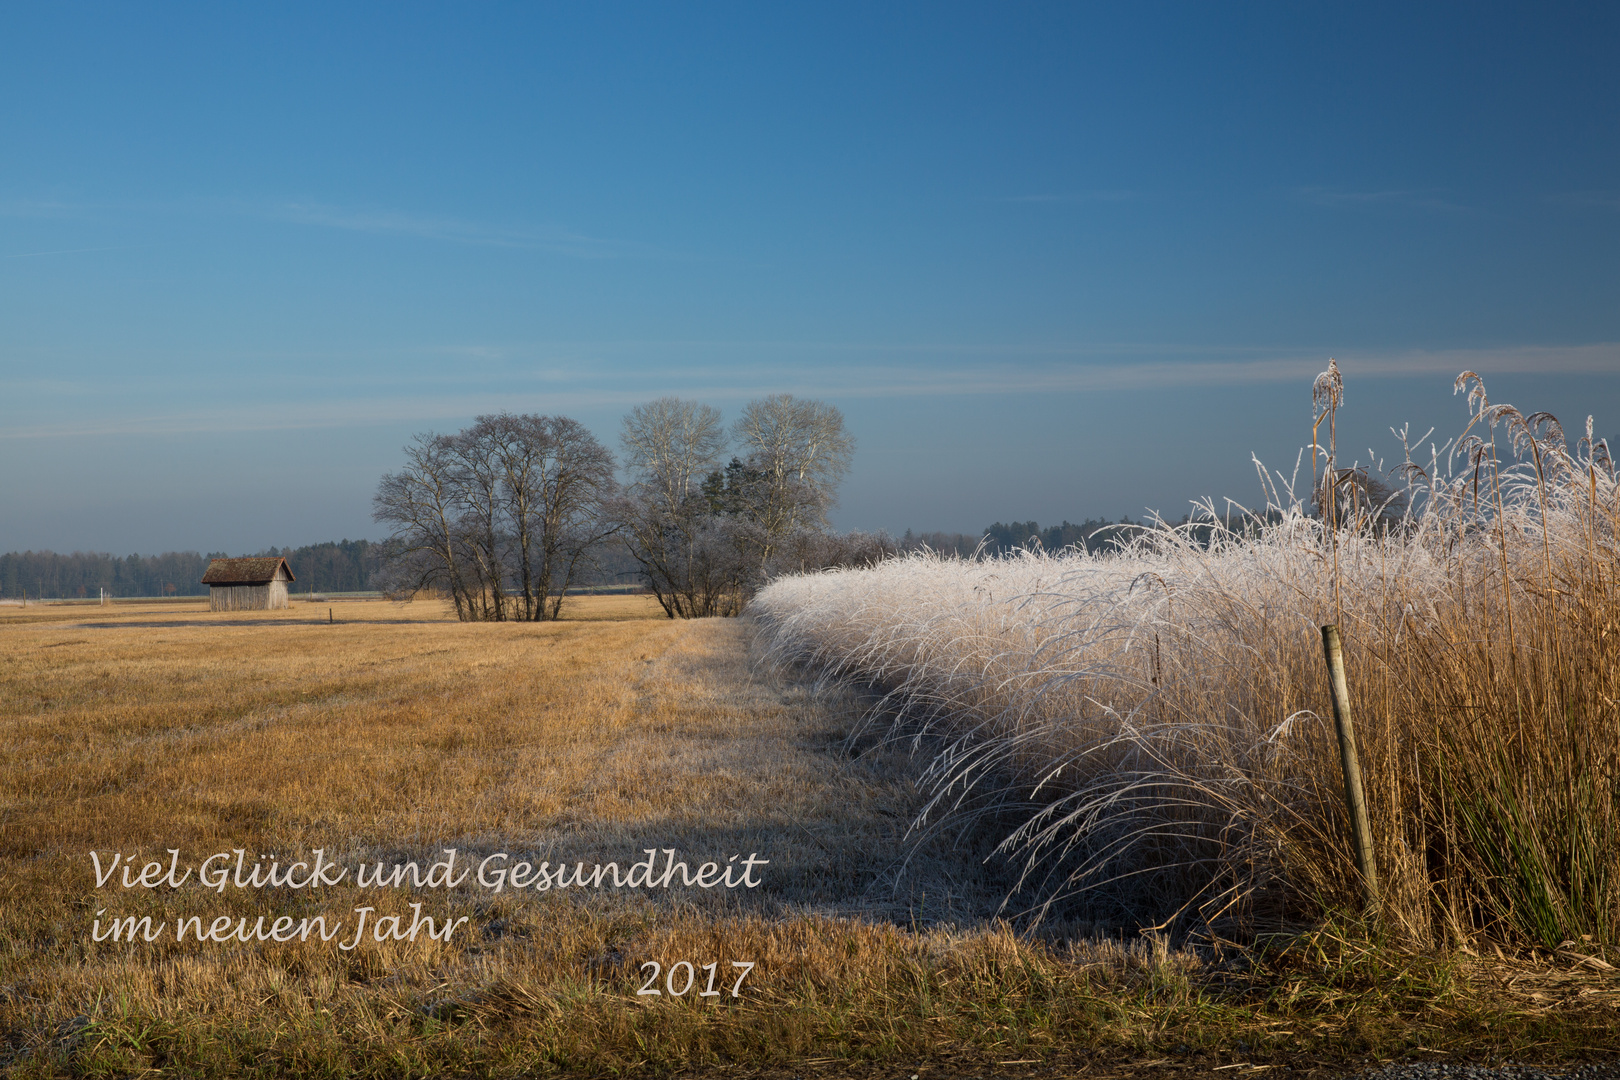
(1354, 799)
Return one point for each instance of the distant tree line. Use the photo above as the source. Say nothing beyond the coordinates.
(344, 566)
(505, 516)
(714, 551)
(1093, 534)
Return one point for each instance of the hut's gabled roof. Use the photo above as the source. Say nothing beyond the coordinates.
(256, 571)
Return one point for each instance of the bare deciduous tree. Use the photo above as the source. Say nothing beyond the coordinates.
(501, 515)
(670, 445)
(688, 560)
(475, 478)
(706, 538)
(801, 451)
(421, 505)
(574, 485)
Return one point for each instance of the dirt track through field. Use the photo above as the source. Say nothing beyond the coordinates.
(395, 732)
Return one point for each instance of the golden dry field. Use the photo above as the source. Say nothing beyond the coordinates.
(392, 733)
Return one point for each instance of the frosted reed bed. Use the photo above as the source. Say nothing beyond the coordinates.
(1147, 726)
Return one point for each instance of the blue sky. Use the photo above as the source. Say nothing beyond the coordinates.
(1052, 261)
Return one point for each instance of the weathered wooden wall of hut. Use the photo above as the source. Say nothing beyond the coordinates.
(244, 597)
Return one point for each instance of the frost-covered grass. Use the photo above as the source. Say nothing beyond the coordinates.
(1156, 721)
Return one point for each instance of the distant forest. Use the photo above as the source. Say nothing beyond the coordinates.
(348, 565)
(1093, 534)
(345, 566)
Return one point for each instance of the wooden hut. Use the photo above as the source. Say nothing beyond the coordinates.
(247, 584)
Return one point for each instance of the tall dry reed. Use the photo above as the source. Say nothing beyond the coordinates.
(1151, 721)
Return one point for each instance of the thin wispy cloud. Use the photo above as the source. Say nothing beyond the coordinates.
(539, 388)
(349, 413)
(455, 231)
(35, 389)
(60, 251)
(1392, 198)
(37, 208)
(1060, 197)
(1014, 377)
(1602, 200)
(376, 221)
